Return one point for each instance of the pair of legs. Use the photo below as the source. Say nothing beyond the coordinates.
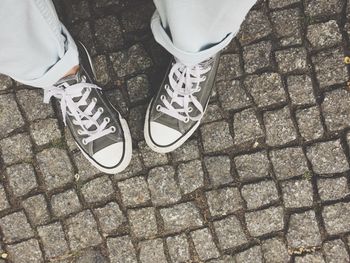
(37, 50)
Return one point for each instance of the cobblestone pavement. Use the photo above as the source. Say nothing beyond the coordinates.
(265, 178)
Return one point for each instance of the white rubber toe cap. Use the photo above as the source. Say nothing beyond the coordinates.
(111, 155)
(163, 135)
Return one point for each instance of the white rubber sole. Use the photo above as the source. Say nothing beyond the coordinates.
(127, 154)
(170, 148)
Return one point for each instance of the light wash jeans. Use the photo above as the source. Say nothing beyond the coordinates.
(37, 50)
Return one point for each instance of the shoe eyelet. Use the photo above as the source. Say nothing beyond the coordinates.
(113, 129)
(106, 119)
(166, 86)
(187, 120)
(162, 97)
(83, 78)
(190, 109)
(94, 100)
(204, 78)
(100, 110)
(84, 141)
(158, 107)
(75, 122)
(80, 132)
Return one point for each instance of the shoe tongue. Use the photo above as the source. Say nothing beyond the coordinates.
(70, 79)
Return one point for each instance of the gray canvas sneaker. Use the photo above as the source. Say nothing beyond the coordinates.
(97, 127)
(176, 111)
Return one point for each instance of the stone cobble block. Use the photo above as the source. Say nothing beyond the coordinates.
(297, 193)
(274, 250)
(4, 204)
(21, 178)
(257, 56)
(110, 217)
(24, 252)
(187, 152)
(219, 169)
(163, 187)
(138, 88)
(246, 127)
(303, 230)
(321, 8)
(216, 136)
(309, 123)
(178, 248)
(45, 131)
(108, 33)
(134, 191)
(143, 222)
(231, 95)
(250, 166)
(332, 188)
(253, 254)
(65, 203)
(324, 34)
(98, 189)
(259, 194)
(15, 227)
(229, 67)
(291, 60)
(121, 249)
(300, 89)
(86, 170)
(16, 148)
(204, 244)
(265, 221)
(39, 215)
(224, 201)
(335, 251)
(10, 118)
(152, 251)
(336, 218)
(151, 158)
(190, 176)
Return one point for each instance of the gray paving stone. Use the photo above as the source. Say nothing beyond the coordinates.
(187, 152)
(279, 127)
(24, 252)
(303, 230)
(143, 222)
(231, 95)
(77, 10)
(178, 248)
(332, 188)
(335, 251)
(330, 68)
(324, 34)
(82, 231)
(101, 69)
(327, 157)
(274, 250)
(99, 189)
(163, 187)
(336, 109)
(11, 117)
(291, 60)
(190, 176)
(16, 148)
(297, 193)
(81, 31)
(224, 259)
(281, 3)
(86, 170)
(259, 194)
(91, 256)
(134, 167)
(310, 258)
(336, 218)
(121, 250)
(253, 254)
(5, 82)
(134, 191)
(255, 26)
(65, 203)
(36, 209)
(180, 217)
(287, 24)
(229, 67)
(110, 217)
(108, 33)
(131, 61)
(15, 227)
(257, 56)
(53, 240)
(229, 232)
(31, 100)
(152, 251)
(45, 131)
(288, 162)
(137, 18)
(216, 136)
(69, 140)
(4, 204)
(55, 167)
(219, 169)
(265, 221)
(151, 158)
(21, 178)
(250, 166)
(116, 97)
(320, 8)
(309, 123)
(204, 244)
(246, 127)
(224, 201)
(136, 123)
(300, 89)
(266, 89)
(138, 88)
(213, 113)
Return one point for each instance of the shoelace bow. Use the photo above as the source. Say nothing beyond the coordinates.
(83, 118)
(184, 82)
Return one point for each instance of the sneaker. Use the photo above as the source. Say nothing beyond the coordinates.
(176, 111)
(97, 127)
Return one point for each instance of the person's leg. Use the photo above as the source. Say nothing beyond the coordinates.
(194, 32)
(35, 48)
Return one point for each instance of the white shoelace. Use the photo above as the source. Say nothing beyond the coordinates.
(184, 82)
(85, 119)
